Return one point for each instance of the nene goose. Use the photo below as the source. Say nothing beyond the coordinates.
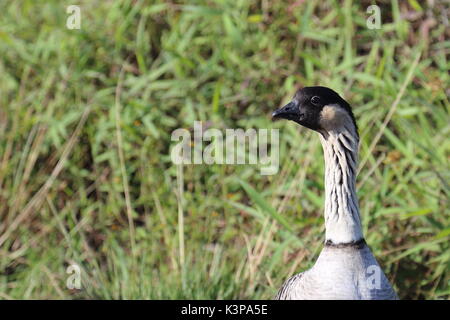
(346, 268)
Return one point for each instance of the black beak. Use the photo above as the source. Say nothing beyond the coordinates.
(289, 112)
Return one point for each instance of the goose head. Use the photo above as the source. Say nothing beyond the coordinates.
(320, 109)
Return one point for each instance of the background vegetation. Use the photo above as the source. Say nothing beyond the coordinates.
(85, 123)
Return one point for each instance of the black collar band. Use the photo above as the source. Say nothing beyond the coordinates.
(359, 244)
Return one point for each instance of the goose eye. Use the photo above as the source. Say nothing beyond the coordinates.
(315, 100)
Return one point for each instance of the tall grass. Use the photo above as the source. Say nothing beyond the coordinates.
(85, 123)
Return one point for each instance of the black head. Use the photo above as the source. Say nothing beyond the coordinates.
(317, 108)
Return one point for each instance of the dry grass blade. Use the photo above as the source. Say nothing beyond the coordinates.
(123, 171)
(37, 200)
(391, 111)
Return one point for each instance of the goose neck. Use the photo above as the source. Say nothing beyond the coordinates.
(342, 217)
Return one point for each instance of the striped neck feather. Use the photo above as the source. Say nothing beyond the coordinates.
(342, 218)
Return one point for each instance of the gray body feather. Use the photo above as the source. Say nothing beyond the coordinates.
(340, 273)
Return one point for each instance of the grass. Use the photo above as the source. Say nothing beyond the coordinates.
(86, 118)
